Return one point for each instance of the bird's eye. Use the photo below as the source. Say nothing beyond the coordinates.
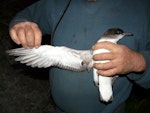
(118, 32)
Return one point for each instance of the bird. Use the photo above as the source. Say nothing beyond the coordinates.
(103, 82)
(74, 60)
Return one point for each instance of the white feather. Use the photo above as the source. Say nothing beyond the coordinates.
(47, 56)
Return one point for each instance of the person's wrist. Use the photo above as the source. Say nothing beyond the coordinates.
(139, 63)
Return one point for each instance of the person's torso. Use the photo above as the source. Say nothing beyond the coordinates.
(81, 26)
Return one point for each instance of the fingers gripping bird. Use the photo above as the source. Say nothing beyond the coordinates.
(71, 59)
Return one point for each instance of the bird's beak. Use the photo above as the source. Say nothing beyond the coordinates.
(128, 34)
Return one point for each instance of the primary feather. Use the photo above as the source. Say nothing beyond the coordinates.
(47, 56)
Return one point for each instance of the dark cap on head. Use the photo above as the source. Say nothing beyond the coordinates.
(114, 31)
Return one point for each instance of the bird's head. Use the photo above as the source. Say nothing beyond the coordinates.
(114, 35)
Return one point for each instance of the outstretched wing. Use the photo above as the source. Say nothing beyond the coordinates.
(46, 56)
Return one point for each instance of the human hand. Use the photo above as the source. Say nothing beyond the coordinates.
(27, 34)
(122, 60)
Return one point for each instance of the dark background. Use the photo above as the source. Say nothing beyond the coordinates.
(27, 90)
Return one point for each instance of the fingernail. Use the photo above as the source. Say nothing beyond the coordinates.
(36, 47)
(18, 42)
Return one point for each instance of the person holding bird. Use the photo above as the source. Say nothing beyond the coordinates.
(78, 24)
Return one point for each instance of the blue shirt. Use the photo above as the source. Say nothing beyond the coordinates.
(81, 26)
